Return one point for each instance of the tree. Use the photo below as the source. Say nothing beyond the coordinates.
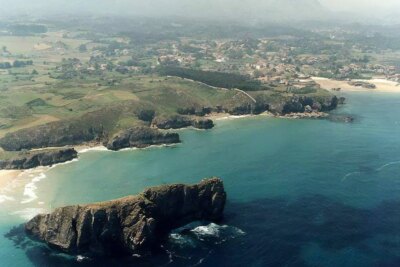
(82, 48)
(35, 72)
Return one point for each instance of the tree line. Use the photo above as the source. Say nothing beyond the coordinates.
(15, 64)
(214, 78)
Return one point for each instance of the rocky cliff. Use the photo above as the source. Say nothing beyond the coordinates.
(140, 137)
(133, 224)
(30, 160)
(301, 104)
(98, 126)
(178, 121)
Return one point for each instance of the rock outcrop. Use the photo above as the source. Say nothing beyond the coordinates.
(134, 224)
(53, 134)
(30, 160)
(203, 124)
(140, 137)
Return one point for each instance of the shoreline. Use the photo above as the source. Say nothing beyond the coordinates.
(227, 116)
(310, 115)
(382, 85)
(8, 176)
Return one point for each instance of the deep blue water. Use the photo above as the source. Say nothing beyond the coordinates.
(300, 192)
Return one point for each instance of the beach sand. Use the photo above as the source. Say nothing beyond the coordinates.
(6, 177)
(382, 85)
(227, 116)
(92, 147)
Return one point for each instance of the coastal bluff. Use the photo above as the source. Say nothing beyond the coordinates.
(140, 137)
(130, 225)
(28, 160)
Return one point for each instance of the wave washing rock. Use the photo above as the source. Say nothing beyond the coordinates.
(130, 225)
(141, 137)
(32, 160)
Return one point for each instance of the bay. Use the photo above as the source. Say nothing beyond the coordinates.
(300, 192)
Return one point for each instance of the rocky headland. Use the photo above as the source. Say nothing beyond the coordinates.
(28, 160)
(100, 127)
(130, 225)
(140, 137)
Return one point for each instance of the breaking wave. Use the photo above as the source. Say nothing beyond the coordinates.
(30, 189)
(223, 232)
(195, 242)
(381, 168)
(195, 233)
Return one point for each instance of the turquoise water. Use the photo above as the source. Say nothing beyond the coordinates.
(300, 192)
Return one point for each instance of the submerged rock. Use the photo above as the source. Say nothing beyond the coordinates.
(130, 225)
(341, 118)
(141, 137)
(30, 160)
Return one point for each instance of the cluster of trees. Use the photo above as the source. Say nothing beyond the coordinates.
(15, 64)
(213, 78)
(132, 63)
(27, 29)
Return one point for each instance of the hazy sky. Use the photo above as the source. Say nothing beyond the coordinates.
(348, 5)
(242, 9)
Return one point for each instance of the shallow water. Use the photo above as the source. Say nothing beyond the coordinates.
(300, 192)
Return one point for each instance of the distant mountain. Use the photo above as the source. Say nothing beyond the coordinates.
(248, 10)
(294, 10)
(268, 10)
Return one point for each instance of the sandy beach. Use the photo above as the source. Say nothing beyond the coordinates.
(227, 116)
(91, 147)
(382, 85)
(6, 177)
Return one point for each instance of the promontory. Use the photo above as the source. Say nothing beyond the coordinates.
(134, 224)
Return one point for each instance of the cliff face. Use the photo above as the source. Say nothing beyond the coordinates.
(134, 224)
(177, 122)
(54, 134)
(300, 104)
(47, 158)
(141, 137)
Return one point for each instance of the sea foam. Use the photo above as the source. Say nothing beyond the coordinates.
(30, 189)
(191, 234)
(215, 230)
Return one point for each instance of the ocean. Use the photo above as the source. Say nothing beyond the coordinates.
(300, 192)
